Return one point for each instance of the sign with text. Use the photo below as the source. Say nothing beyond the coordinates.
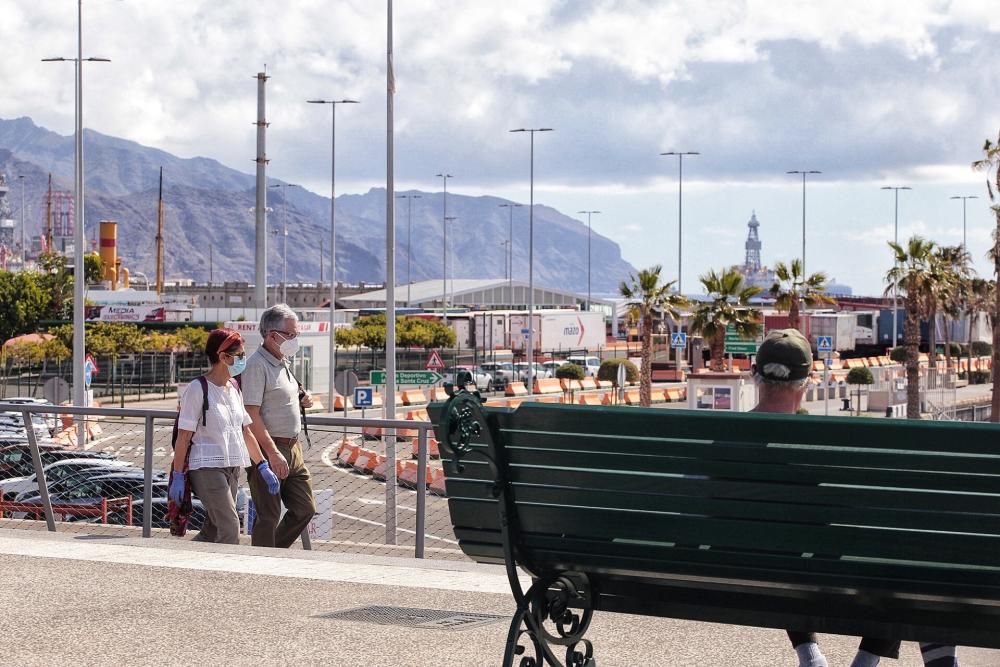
(736, 344)
(364, 397)
(407, 377)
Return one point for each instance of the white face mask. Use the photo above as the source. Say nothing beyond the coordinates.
(289, 347)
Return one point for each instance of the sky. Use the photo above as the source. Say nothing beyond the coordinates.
(872, 93)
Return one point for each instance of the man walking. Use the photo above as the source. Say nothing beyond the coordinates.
(273, 399)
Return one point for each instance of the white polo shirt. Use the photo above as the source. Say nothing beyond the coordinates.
(218, 443)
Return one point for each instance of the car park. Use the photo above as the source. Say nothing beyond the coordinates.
(482, 379)
(502, 372)
(521, 370)
(56, 472)
(77, 478)
(119, 517)
(590, 364)
(16, 461)
(551, 366)
(110, 485)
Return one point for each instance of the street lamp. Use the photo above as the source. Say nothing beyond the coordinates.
(589, 213)
(510, 250)
(804, 174)
(79, 349)
(963, 198)
(895, 239)
(20, 177)
(447, 252)
(531, 256)
(680, 224)
(444, 176)
(284, 237)
(409, 256)
(333, 238)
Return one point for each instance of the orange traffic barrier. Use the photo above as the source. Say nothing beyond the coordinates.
(632, 397)
(515, 389)
(549, 399)
(382, 468)
(347, 454)
(438, 394)
(606, 398)
(569, 384)
(409, 478)
(547, 386)
(432, 448)
(366, 461)
(588, 383)
(589, 399)
(413, 415)
(413, 397)
(514, 402)
(605, 384)
(437, 485)
(340, 403)
(673, 394)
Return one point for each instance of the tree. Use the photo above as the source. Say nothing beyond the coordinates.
(913, 275)
(729, 306)
(608, 371)
(859, 376)
(791, 290)
(58, 281)
(93, 268)
(645, 292)
(953, 275)
(981, 298)
(990, 162)
(24, 301)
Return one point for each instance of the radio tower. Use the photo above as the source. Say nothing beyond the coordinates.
(751, 264)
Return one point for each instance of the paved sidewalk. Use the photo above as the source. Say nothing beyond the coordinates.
(87, 600)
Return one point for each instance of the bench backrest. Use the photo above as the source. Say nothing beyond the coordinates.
(898, 505)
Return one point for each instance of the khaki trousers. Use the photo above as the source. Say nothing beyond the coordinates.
(297, 495)
(216, 489)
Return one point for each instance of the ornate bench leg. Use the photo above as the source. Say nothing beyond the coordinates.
(547, 601)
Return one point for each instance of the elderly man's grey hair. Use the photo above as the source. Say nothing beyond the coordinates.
(273, 319)
(774, 372)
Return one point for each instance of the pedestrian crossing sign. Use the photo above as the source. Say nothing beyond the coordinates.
(824, 343)
(678, 339)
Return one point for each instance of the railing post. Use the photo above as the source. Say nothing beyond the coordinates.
(390, 486)
(36, 459)
(147, 481)
(418, 551)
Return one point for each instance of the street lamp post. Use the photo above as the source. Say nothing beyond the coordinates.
(589, 213)
(79, 349)
(895, 239)
(409, 256)
(530, 357)
(680, 220)
(963, 198)
(284, 237)
(23, 251)
(804, 174)
(510, 250)
(444, 176)
(450, 293)
(333, 239)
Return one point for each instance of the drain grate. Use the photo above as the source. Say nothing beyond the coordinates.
(436, 619)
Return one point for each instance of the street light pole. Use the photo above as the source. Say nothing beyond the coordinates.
(447, 250)
(530, 357)
(895, 239)
(79, 348)
(20, 177)
(333, 240)
(589, 213)
(284, 237)
(444, 176)
(680, 219)
(963, 198)
(409, 256)
(510, 250)
(804, 174)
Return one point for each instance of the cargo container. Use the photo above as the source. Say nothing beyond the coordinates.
(555, 330)
(780, 321)
(839, 326)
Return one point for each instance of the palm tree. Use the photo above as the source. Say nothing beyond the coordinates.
(991, 163)
(644, 291)
(981, 298)
(791, 290)
(950, 292)
(730, 306)
(913, 275)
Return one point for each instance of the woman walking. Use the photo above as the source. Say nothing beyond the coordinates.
(214, 441)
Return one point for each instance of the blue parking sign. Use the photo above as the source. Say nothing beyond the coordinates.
(364, 397)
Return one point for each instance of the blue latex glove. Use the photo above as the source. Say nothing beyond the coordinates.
(177, 483)
(273, 485)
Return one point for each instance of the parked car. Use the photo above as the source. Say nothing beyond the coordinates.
(590, 364)
(502, 372)
(110, 485)
(482, 379)
(521, 370)
(71, 481)
(54, 473)
(159, 518)
(551, 366)
(15, 459)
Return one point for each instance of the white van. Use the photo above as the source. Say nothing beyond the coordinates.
(590, 364)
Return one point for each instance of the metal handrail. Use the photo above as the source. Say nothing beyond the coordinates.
(149, 415)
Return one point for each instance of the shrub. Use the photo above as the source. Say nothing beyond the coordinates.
(860, 375)
(898, 354)
(609, 370)
(981, 349)
(570, 371)
(956, 349)
(980, 377)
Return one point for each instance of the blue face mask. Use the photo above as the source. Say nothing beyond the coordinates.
(239, 365)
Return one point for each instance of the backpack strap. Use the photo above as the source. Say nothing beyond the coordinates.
(203, 381)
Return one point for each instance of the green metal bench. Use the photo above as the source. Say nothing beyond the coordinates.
(878, 527)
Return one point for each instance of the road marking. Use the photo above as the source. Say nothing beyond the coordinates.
(402, 530)
(370, 501)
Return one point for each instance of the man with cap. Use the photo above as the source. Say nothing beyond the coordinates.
(781, 371)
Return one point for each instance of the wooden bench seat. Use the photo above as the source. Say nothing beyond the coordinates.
(885, 528)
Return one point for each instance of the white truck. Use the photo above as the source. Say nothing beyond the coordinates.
(555, 330)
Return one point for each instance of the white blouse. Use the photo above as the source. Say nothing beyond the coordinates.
(218, 443)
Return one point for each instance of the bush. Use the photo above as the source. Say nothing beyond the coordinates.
(979, 377)
(898, 354)
(956, 349)
(570, 371)
(860, 375)
(609, 370)
(981, 349)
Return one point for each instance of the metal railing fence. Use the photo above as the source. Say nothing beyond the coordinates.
(121, 471)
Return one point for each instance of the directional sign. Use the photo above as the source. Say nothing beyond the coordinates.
(679, 340)
(824, 343)
(364, 397)
(434, 362)
(736, 344)
(407, 377)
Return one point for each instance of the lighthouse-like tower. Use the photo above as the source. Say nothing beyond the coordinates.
(751, 265)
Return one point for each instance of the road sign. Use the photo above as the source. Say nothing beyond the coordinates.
(679, 340)
(525, 332)
(407, 377)
(364, 397)
(736, 344)
(824, 343)
(434, 362)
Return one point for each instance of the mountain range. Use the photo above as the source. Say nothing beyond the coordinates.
(208, 222)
